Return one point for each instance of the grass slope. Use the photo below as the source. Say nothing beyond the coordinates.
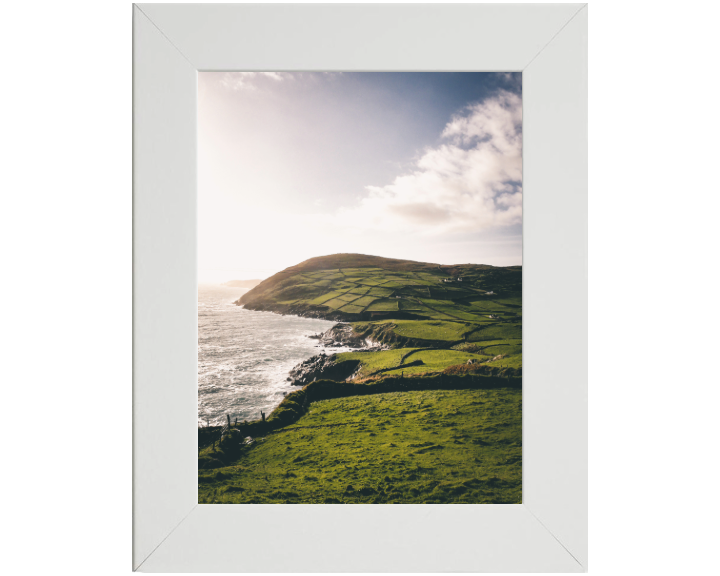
(436, 446)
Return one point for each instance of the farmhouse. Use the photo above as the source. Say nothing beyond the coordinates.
(489, 293)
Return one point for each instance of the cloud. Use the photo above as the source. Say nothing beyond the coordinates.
(252, 81)
(472, 181)
(248, 80)
(510, 80)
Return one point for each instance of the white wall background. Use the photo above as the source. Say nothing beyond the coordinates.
(66, 237)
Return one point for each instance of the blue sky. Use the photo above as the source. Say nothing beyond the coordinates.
(424, 166)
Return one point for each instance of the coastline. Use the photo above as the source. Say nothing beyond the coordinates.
(324, 366)
(245, 356)
(387, 410)
(299, 312)
(340, 335)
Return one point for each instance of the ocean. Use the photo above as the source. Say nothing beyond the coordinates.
(244, 356)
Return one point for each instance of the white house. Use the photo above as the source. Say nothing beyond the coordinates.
(489, 293)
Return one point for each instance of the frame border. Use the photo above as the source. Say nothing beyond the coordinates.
(548, 532)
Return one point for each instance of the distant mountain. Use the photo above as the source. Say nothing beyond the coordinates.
(242, 283)
(355, 287)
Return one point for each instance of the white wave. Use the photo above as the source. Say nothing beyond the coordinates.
(244, 356)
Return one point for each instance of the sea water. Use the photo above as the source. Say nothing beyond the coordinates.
(244, 356)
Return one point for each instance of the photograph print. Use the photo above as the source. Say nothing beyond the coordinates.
(359, 288)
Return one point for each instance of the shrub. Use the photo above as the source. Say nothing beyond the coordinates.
(482, 369)
(286, 414)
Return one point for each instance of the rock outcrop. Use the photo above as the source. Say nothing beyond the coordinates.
(322, 366)
(341, 335)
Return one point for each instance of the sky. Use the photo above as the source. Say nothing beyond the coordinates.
(418, 166)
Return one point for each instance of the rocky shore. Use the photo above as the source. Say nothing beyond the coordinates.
(321, 366)
(326, 366)
(342, 335)
(303, 310)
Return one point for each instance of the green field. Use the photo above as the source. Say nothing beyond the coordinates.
(395, 362)
(426, 445)
(374, 361)
(326, 297)
(460, 446)
(429, 330)
(496, 332)
(436, 361)
(352, 309)
(364, 301)
(379, 292)
(335, 303)
(383, 305)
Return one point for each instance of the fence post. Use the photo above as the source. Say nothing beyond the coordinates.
(228, 417)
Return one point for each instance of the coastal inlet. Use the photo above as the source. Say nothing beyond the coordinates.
(245, 357)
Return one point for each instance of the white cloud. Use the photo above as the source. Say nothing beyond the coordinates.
(471, 182)
(248, 80)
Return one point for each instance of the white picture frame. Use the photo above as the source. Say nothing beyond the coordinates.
(548, 531)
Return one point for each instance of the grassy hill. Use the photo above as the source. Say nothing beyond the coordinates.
(436, 417)
(354, 287)
(406, 304)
